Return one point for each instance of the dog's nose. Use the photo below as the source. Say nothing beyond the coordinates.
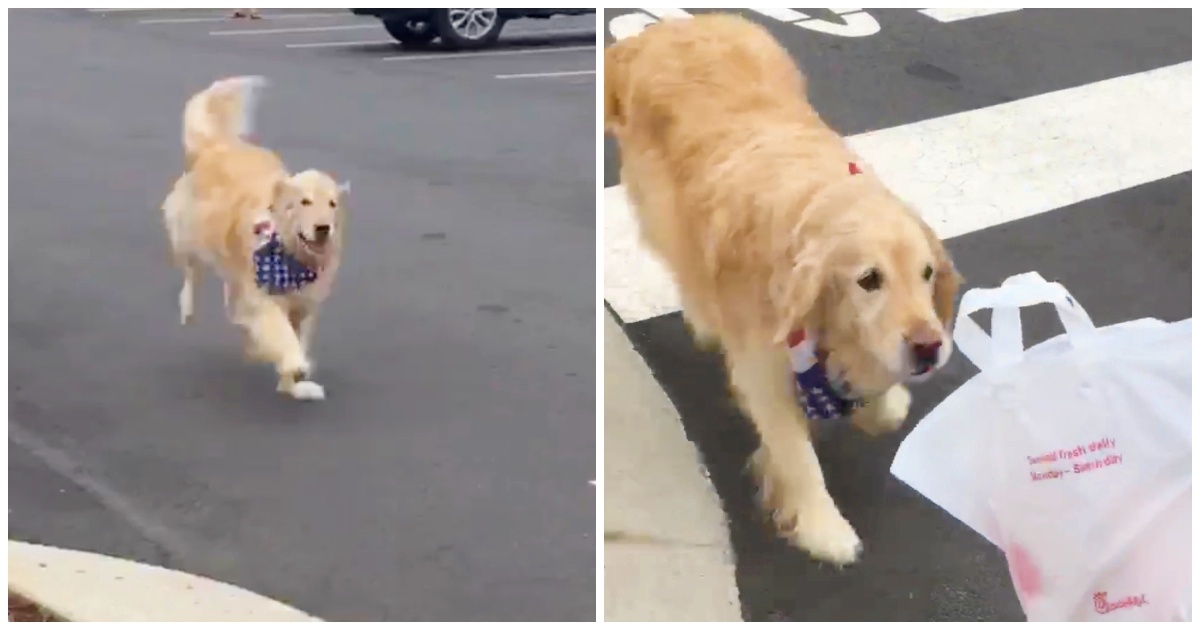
(926, 354)
(321, 231)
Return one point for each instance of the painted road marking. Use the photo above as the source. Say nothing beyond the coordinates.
(954, 15)
(783, 15)
(370, 42)
(854, 22)
(629, 24)
(527, 32)
(495, 53)
(536, 75)
(381, 42)
(668, 14)
(376, 42)
(224, 17)
(146, 9)
(972, 170)
(636, 284)
(303, 29)
(857, 23)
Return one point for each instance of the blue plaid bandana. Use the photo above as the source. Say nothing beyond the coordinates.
(277, 271)
(822, 399)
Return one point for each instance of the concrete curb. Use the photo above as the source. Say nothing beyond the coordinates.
(666, 544)
(83, 586)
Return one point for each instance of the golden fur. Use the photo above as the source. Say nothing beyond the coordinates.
(229, 185)
(747, 197)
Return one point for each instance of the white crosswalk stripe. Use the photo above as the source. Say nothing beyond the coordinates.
(1039, 150)
(1105, 136)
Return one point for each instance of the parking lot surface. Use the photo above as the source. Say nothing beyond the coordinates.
(447, 476)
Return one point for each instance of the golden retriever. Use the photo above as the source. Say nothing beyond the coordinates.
(273, 237)
(774, 230)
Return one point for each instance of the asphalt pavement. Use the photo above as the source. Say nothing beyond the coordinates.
(1047, 140)
(447, 475)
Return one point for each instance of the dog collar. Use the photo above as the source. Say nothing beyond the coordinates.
(275, 270)
(822, 398)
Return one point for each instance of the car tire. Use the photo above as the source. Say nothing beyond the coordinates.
(468, 28)
(409, 32)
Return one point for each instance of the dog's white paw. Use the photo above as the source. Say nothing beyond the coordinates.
(885, 413)
(307, 390)
(826, 535)
(227, 296)
(893, 407)
(186, 308)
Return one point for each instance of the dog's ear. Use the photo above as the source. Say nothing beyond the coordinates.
(795, 289)
(343, 188)
(946, 279)
(283, 195)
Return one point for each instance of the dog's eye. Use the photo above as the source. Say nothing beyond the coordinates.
(871, 280)
(332, 203)
(306, 202)
(928, 273)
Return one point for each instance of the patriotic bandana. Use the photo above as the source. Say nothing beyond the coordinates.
(275, 270)
(822, 399)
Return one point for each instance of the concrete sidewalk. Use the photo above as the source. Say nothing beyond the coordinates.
(82, 586)
(666, 546)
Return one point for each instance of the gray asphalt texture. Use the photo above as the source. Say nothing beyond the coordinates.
(446, 476)
(1124, 256)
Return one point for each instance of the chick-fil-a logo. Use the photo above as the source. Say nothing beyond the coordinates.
(1103, 606)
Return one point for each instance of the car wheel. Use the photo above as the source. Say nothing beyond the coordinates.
(468, 28)
(410, 33)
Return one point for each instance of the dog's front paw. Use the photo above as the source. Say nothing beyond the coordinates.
(227, 296)
(296, 369)
(826, 535)
(186, 307)
(703, 337)
(805, 514)
(893, 407)
(307, 390)
(885, 414)
(707, 343)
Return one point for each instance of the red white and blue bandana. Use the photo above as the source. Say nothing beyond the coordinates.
(275, 270)
(821, 397)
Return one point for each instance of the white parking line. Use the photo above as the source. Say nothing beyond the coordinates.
(535, 75)
(954, 15)
(144, 9)
(376, 42)
(525, 32)
(1044, 152)
(225, 18)
(305, 29)
(370, 42)
(496, 53)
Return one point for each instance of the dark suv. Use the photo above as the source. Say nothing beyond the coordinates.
(458, 28)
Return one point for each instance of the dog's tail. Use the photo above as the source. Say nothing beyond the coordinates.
(221, 113)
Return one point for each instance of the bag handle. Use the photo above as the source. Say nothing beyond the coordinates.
(1007, 344)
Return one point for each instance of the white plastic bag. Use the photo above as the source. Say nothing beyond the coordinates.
(1074, 457)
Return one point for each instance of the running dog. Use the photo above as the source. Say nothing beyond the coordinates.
(273, 237)
(825, 291)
